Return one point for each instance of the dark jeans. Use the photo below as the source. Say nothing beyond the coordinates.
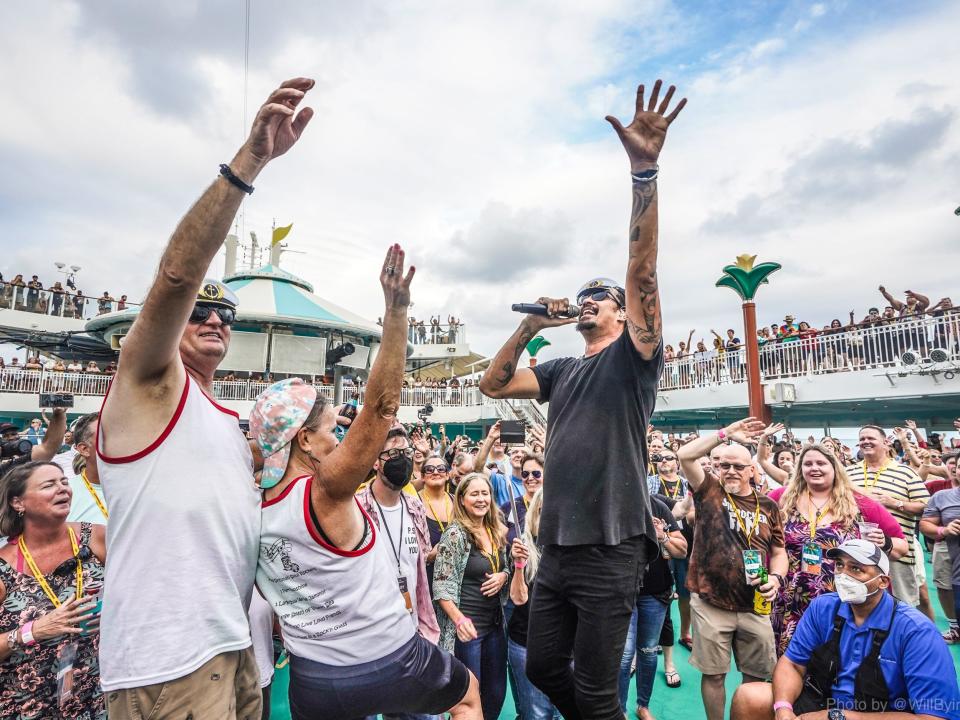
(645, 627)
(486, 657)
(581, 607)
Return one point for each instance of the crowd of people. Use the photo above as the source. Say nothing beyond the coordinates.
(63, 301)
(420, 332)
(879, 339)
(413, 574)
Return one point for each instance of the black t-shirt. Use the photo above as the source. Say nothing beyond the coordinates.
(596, 452)
(482, 610)
(658, 579)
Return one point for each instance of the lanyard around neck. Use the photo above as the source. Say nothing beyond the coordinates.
(386, 526)
(93, 494)
(736, 513)
(867, 482)
(816, 514)
(38, 576)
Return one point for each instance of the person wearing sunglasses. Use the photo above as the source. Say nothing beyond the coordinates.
(595, 543)
(515, 509)
(164, 442)
(438, 503)
(738, 534)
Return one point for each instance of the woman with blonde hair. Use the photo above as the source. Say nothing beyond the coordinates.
(470, 576)
(821, 510)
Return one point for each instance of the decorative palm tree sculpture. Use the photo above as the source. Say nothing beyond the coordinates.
(744, 279)
(534, 346)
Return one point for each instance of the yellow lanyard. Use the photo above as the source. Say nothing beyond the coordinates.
(867, 484)
(41, 580)
(675, 494)
(435, 516)
(526, 503)
(815, 518)
(93, 494)
(736, 514)
(494, 556)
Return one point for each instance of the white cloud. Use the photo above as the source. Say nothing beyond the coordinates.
(479, 128)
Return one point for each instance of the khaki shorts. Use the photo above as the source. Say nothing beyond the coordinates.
(226, 688)
(905, 585)
(716, 632)
(942, 567)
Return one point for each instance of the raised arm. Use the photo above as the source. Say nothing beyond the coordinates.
(480, 461)
(643, 140)
(151, 348)
(894, 303)
(53, 438)
(764, 454)
(923, 302)
(742, 431)
(502, 379)
(349, 464)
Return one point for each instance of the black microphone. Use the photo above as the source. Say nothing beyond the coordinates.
(540, 309)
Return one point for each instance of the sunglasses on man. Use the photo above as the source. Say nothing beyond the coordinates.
(537, 474)
(736, 466)
(595, 295)
(202, 312)
(667, 458)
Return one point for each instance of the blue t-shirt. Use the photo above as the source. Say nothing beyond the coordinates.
(916, 663)
(501, 491)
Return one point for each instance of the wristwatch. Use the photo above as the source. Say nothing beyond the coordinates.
(12, 638)
(836, 714)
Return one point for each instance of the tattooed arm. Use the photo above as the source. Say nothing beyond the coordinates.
(643, 140)
(503, 379)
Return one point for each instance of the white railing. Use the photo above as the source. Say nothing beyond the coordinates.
(60, 303)
(860, 348)
(427, 334)
(17, 380)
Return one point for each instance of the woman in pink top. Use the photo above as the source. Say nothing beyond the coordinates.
(821, 510)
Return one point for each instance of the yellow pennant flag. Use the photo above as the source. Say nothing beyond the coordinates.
(280, 233)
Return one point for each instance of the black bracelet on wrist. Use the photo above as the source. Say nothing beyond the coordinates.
(234, 180)
(887, 543)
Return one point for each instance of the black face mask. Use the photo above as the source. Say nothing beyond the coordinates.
(397, 471)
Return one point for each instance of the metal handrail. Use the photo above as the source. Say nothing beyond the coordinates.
(860, 348)
(57, 304)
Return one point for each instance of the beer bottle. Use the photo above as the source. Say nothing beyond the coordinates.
(761, 606)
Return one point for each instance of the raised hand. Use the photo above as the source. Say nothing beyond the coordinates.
(396, 286)
(912, 424)
(277, 125)
(419, 442)
(556, 309)
(772, 429)
(643, 138)
(745, 431)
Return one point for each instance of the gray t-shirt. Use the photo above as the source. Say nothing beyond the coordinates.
(944, 506)
(596, 452)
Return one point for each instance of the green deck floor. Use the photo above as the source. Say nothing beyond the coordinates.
(681, 703)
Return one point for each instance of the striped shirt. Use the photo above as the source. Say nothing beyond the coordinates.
(899, 482)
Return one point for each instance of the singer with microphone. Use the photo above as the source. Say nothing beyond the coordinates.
(596, 528)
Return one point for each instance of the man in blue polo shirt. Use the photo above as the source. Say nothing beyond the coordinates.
(858, 654)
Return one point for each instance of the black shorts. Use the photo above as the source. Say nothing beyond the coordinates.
(418, 678)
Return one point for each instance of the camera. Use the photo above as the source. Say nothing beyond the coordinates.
(56, 400)
(15, 448)
(512, 432)
(656, 457)
(425, 412)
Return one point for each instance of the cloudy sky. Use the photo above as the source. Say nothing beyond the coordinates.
(824, 136)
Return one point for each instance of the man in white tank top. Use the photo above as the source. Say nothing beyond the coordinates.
(177, 473)
(343, 599)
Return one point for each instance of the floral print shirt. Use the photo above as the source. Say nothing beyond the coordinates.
(28, 678)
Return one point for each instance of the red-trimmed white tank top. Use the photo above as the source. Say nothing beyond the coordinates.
(182, 547)
(337, 607)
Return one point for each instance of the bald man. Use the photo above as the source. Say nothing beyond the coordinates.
(738, 531)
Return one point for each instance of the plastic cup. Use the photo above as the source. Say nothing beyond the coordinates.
(867, 527)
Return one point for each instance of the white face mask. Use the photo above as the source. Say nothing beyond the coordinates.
(851, 590)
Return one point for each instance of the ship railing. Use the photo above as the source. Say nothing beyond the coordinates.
(64, 303)
(899, 344)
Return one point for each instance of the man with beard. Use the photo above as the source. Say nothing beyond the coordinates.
(738, 533)
(597, 532)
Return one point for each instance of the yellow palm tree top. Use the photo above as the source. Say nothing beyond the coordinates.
(746, 261)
